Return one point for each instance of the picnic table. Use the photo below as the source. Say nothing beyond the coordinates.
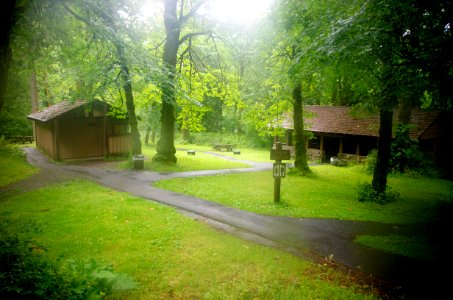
(220, 147)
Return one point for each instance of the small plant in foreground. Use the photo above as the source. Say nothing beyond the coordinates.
(25, 274)
(366, 193)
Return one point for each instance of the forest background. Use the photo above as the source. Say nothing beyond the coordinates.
(192, 66)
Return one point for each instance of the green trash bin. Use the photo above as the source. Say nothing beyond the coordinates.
(139, 161)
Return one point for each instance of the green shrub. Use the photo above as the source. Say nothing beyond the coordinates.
(407, 157)
(25, 274)
(370, 162)
(366, 193)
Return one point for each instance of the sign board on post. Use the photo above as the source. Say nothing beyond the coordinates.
(279, 170)
(279, 154)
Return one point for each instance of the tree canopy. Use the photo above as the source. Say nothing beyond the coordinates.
(189, 66)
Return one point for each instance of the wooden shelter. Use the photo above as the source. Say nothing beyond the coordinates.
(80, 130)
(342, 132)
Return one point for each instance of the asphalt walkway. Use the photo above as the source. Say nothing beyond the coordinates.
(320, 239)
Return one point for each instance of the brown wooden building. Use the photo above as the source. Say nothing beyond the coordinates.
(341, 132)
(80, 130)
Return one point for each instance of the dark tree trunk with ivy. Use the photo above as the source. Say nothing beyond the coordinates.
(173, 23)
(135, 134)
(127, 87)
(166, 146)
(381, 170)
(300, 146)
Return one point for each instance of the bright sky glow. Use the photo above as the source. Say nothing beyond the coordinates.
(237, 11)
(151, 8)
(225, 11)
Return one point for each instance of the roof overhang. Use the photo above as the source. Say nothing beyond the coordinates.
(55, 110)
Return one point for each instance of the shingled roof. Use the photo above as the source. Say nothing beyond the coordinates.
(55, 110)
(342, 120)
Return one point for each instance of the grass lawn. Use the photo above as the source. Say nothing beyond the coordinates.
(419, 246)
(330, 193)
(197, 162)
(13, 165)
(256, 155)
(168, 254)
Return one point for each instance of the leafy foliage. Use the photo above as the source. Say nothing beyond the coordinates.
(366, 193)
(370, 162)
(407, 155)
(25, 274)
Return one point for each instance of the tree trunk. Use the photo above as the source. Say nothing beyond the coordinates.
(299, 135)
(405, 109)
(148, 130)
(5, 60)
(34, 92)
(127, 86)
(186, 135)
(153, 136)
(135, 134)
(166, 146)
(8, 17)
(379, 182)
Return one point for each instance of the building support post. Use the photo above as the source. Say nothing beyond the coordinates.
(277, 181)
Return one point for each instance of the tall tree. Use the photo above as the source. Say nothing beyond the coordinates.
(8, 18)
(394, 44)
(174, 23)
(297, 34)
(300, 144)
(110, 29)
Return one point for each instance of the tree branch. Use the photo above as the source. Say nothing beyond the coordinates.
(192, 11)
(181, 56)
(75, 15)
(193, 34)
(181, 10)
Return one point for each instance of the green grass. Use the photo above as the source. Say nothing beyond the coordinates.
(330, 193)
(256, 155)
(197, 162)
(13, 165)
(169, 255)
(411, 246)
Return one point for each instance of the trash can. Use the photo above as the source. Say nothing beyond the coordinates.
(138, 161)
(334, 161)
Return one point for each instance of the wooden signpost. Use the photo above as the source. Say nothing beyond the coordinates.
(279, 168)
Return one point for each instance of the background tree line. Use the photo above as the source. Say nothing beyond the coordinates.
(178, 70)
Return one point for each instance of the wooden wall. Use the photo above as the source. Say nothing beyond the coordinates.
(119, 144)
(45, 138)
(81, 137)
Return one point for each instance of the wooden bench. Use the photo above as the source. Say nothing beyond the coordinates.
(21, 139)
(220, 147)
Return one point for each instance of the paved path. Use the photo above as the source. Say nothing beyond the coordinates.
(319, 238)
